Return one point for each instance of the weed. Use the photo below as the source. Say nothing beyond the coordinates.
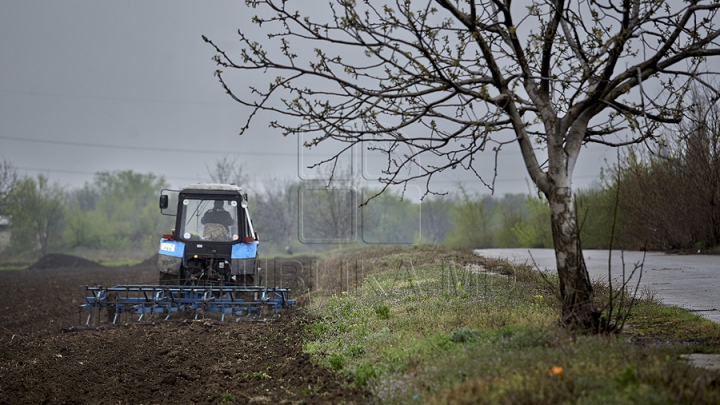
(337, 361)
(363, 373)
(309, 391)
(318, 327)
(627, 377)
(462, 335)
(382, 311)
(356, 350)
(259, 375)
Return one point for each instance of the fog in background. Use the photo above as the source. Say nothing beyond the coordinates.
(89, 86)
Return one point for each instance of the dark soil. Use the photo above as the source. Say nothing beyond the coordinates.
(181, 361)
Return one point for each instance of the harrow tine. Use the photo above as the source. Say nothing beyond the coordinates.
(147, 300)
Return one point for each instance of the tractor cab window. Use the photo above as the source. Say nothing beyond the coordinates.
(210, 220)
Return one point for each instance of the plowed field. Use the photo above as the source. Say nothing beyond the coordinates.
(180, 361)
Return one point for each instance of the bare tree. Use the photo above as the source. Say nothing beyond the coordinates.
(275, 213)
(38, 209)
(670, 198)
(436, 219)
(328, 214)
(698, 141)
(467, 76)
(227, 171)
(8, 180)
(328, 207)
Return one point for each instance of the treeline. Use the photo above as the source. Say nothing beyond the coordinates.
(666, 198)
(117, 211)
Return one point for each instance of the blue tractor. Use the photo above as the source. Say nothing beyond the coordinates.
(207, 264)
(213, 242)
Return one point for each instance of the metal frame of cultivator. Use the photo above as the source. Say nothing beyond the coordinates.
(150, 300)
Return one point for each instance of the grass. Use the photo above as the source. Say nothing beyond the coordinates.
(14, 266)
(424, 326)
(120, 263)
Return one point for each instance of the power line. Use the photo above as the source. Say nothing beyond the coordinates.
(143, 148)
(193, 151)
(122, 99)
(84, 173)
(204, 178)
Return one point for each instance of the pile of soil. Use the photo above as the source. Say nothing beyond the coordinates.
(61, 261)
(183, 360)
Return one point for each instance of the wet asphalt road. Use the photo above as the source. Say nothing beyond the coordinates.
(689, 281)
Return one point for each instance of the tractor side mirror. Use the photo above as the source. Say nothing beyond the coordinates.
(163, 201)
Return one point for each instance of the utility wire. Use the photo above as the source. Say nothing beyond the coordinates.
(143, 148)
(44, 170)
(121, 99)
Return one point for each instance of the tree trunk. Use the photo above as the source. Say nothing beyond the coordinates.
(578, 300)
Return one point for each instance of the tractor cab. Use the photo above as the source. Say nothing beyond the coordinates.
(213, 241)
(213, 219)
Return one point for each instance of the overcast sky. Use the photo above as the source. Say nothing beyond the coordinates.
(99, 85)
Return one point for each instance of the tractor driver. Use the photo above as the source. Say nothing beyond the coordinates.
(217, 222)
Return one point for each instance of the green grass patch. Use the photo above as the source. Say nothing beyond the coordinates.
(445, 327)
(121, 263)
(14, 266)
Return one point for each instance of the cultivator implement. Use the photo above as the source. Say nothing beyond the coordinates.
(149, 301)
